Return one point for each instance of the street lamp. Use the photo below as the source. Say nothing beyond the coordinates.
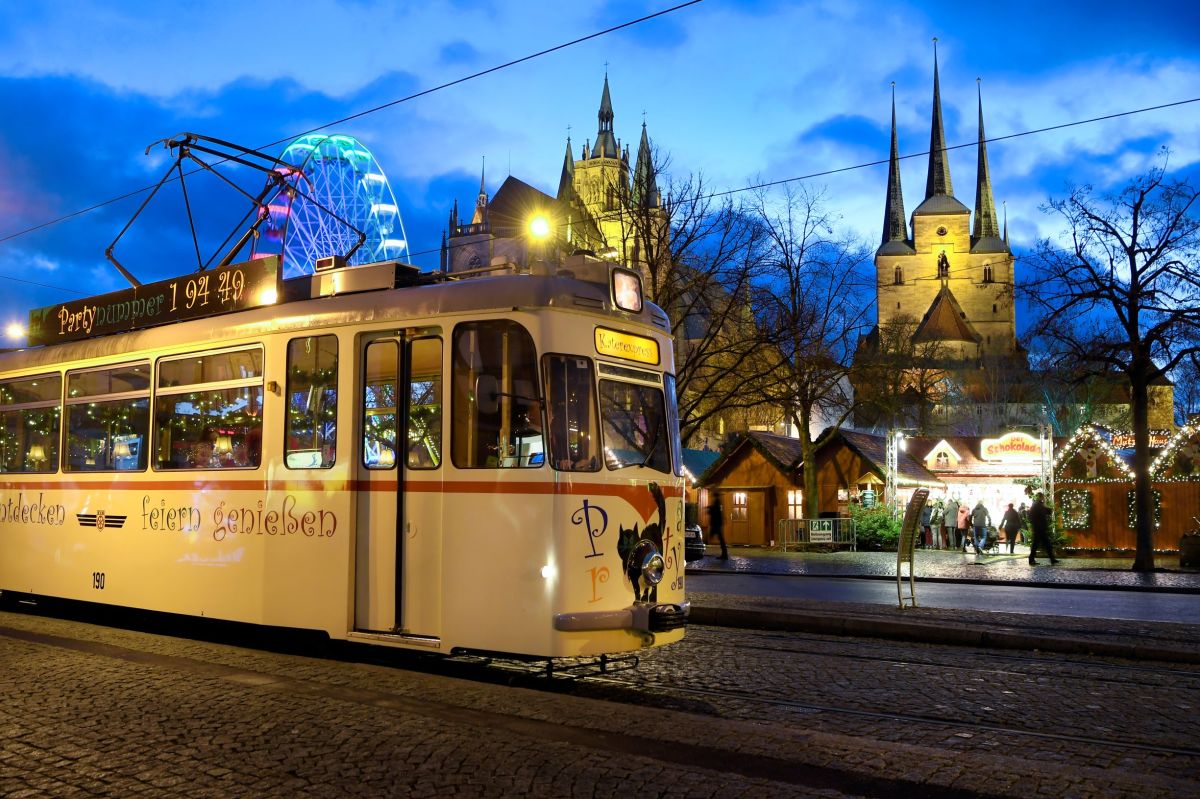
(895, 443)
(539, 231)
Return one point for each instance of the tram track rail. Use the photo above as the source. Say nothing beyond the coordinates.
(1166, 672)
(911, 718)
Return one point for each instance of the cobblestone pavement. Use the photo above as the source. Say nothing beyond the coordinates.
(933, 564)
(101, 711)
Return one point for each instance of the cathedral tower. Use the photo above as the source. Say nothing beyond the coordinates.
(953, 280)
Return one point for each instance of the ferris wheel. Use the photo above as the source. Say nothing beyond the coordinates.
(342, 183)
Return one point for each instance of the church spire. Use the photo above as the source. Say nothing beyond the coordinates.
(566, 181)
(985, 206)
(481, 200)
(938, 180)
(606, 143)
(894, 226)
(645, 186)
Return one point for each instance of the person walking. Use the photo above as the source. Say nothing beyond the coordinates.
(1039, 523)
(950, 522)
(716, 523)
(1012, 526)
(980, 520)
(962, 525)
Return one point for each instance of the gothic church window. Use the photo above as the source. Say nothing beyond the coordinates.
(987, 273)
(942, 461)
(899, 275)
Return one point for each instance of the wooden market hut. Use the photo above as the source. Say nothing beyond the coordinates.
(760, 479)
(1176, 476)
(1093, 491)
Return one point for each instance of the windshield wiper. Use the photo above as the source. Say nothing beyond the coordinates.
(653, 447)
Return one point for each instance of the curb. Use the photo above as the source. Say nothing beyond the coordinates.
(952, 635)
(1151, 589)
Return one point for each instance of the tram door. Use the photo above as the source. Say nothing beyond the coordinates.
(398, 552)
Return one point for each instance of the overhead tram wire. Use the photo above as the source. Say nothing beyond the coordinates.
(867, 164)
(373, 110)
(711, 196)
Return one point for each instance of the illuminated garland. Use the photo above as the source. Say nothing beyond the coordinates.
(1168, 458)
(1157, 509)
(1090, 434)
(1075, 509)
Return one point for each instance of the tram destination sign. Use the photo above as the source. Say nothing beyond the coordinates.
(236, 287)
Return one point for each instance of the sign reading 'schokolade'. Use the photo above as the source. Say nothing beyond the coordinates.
(236, 287)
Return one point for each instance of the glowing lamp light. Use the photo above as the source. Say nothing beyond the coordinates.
(539, 226)
(627, 290)
(387, 457)
(15, 330)
(121, 450)
(37, 454)
(224, 445)
(549, 571)
(268, 296)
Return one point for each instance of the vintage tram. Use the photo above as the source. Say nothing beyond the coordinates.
(489, 463)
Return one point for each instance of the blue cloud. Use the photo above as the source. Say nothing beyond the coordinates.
(459, 52)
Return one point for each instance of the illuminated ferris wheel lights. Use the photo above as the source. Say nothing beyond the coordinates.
(340, 181)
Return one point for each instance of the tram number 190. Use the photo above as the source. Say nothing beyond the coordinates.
(98, 581)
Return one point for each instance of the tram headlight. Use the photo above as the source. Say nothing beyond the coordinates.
(627, 289)
(645, 564)
(653, 567)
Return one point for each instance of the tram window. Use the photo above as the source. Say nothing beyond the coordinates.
(208, 411)
(310, 433)
(108, 419)
(29, 419)
(379, 405)
(571, 411)
(673, 424)
(496, 420)
(635, 426)
(425, 404)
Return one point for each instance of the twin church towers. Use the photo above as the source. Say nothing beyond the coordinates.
(942, 278)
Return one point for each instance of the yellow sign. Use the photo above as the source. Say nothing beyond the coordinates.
(1011, 447)
(625, 345)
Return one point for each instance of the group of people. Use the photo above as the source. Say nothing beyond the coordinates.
(949, 524)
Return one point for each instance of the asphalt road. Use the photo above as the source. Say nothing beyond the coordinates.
(1083, 602)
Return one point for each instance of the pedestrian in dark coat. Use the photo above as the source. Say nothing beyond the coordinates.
(926, 517)
(1039, 523)
(950, 522)
(1011, 522)
(980, 521)
(716, 523)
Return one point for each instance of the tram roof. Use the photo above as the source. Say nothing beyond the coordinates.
(402, 297)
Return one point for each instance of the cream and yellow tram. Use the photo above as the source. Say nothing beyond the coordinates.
(483, 464)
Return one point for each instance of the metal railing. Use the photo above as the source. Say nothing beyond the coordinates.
(805, 533)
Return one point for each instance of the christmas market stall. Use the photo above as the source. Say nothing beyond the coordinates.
(1176, 476)
(1093, 490)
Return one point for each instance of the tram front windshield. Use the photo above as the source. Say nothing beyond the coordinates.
(635, 426)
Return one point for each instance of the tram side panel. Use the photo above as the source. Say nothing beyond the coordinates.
(278, 557)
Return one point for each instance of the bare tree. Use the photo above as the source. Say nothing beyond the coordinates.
(700, 254)
(812, 296)
(898, 381)
(1120, 292)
